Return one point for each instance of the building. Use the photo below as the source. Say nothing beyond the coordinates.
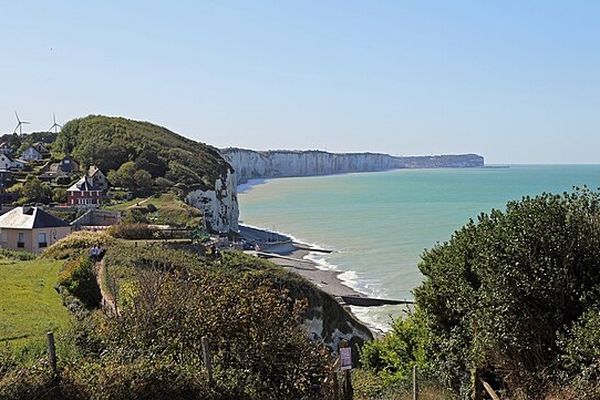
(5, 148)
(8, 163)
(31, 154)
(98, 178)
(31, 229)
(65, 167)
(41, 148)
(84, 193)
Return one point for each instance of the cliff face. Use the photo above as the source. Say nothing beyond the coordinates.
(250, 164)
(219, 204)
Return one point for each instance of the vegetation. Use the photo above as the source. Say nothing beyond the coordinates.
(77, 276)
(77, 244)
(168, 299)
(127, 147)
(29, 304)
(514, 296)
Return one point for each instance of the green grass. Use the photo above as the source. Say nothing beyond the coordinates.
(29, 305)
(124, 205)
(172, 211)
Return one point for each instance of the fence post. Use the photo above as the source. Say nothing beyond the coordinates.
(207, 358)
(490, 391)
(52, 352)
(415, 384)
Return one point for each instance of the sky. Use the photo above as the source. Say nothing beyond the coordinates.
(514, 81)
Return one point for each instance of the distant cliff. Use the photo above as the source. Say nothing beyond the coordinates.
(250, 164)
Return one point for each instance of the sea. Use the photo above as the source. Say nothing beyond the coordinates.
(378, 224)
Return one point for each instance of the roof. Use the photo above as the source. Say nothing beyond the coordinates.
(93, 170)
(7, 156)
(29, 218)
(85, 184)
(33, 148)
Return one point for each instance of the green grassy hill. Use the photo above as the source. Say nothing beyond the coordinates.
(109, 142)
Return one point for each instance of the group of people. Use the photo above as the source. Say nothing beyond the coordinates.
(96, 253)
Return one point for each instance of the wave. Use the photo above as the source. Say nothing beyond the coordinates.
(350, 278)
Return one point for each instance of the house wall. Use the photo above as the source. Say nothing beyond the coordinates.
(5, 163)
(84, 198)
(9, 238)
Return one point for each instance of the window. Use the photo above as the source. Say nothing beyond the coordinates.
(42, 242)
(21, 240)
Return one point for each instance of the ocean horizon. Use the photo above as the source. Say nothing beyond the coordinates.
(379, 223)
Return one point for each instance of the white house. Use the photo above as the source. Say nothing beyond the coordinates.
(31, 154)
(7, 163)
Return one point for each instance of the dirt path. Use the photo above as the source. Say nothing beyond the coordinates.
(139, 203)
(108, 302)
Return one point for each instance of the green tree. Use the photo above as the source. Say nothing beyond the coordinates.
(35, 191)
(142, 180)
(498, 293)
(124, 176)
(59, 195)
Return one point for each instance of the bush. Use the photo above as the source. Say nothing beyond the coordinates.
(132, 231)
(135, 215)
(64, 180)
(498, 293)
(17, 255)
(78, 277)
(77, 244)
(405, 346)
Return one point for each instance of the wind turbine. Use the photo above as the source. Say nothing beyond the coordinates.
(56, 126)
(19, 124)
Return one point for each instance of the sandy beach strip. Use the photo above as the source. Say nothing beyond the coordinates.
(326, 280)
(290, 255)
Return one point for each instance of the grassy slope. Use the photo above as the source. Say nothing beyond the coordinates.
(171, 210)
(29, 305)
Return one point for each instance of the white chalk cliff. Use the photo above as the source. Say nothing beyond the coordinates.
(219, 204)
(250, 164)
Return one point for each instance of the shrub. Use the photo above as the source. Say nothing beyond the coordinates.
(405, 346)
(17, 255)
(135, 215)
(131, 231)
(63, 180)
(78, 277)
(498, 293)
(77, 244)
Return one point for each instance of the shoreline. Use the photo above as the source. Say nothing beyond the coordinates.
(326, 280)
(290, 254)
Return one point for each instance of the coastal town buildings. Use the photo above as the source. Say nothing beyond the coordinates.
(98, 178)
(7, 163)
(31, 154)
(31, 229)
(5, 148)
(84, 193)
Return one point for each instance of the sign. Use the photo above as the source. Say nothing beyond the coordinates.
(346, 358)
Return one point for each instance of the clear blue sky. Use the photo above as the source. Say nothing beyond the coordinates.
(518, 82)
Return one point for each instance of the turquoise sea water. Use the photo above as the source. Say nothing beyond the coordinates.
(379, 223)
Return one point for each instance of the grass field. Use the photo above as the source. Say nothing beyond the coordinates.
(29, 305)
(171, 210)
(125, 205)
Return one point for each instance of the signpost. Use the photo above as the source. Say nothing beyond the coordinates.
(346, 366)
(346, 358)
